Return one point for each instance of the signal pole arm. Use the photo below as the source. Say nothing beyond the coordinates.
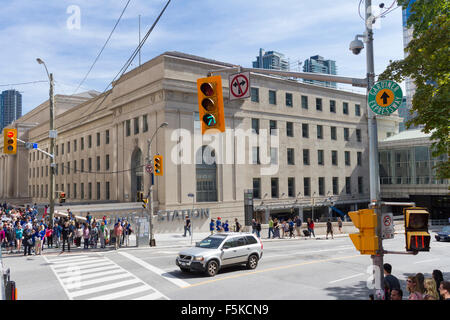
(38, 149)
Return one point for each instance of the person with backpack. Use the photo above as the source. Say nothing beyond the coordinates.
(298, 224)
(226, 226)
(258, 228)
(237, 225)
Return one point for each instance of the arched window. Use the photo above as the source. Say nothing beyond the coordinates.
(206, 174)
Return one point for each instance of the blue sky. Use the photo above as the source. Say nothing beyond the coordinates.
(229, 30)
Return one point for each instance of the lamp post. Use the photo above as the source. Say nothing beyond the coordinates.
(52, 136)
(150, 191)
(191, 195)
(312, 206)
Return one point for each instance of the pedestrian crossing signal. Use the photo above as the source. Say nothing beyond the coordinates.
(416, 229)
(210, 103)
(10, 141)
(366, 241)
(158, 165)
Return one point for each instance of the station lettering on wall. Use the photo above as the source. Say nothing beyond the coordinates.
(171, 215)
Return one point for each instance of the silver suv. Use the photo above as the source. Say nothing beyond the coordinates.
(221, 250)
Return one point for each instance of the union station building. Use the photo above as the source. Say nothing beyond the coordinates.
(317, 139)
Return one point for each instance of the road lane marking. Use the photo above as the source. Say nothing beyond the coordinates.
(168, 276)
(269, 270)
(354, 276)
(307, 252)
(423, 261)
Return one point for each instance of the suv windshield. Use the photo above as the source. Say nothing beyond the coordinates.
(210, 243)
(446, 230)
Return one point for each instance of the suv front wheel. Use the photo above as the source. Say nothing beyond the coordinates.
(212, 268)
(252, 262)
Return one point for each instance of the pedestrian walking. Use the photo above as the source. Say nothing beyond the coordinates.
(57, 234)
(258, 228)
(390, 281)
(311, 227)
(118, 230)
(411, 285)
(187, 226)
(211, 226)
(86, 235)
(49, 236)
(276, 229)
(253, 226)
(340, 224)
(430, 290)
(10, 237)
(19, 237)
(39, 240)
(291, 228)
(27, 240)
(330, 228)
(94, 235)
(270, 228)
(103, 233)
(226, 226)
(79, 235)
(237, 225)
(66, 233)
(438, 277)
(282, 228)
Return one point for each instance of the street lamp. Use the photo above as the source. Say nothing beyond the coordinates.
(312, 207)
(150, 191)
(191, 195)
(52, 136)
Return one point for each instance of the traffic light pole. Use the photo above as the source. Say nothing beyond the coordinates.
(52, 149)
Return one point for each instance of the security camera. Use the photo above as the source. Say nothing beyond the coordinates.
(356, 46)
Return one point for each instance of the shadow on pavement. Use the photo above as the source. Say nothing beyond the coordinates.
(356, 292)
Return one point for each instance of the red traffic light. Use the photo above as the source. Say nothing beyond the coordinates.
(207, 89)
(10, 134)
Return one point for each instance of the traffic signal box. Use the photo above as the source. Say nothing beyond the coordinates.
(158, 165)
(210, 103)
(416, 229)
(366, 241)
(62, 197)
(10, 141)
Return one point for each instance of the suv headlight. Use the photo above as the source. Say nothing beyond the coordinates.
(199, 258)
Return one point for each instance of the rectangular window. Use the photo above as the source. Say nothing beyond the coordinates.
(107, 162)
(255, 125)
(290, 156)
(289, 129)
(68, 167)
(333, 106)
(348, 186)
(107, 191)
(82, 165)
(75, 166)
(74, 191)
(254, 94)
(98, 139)
(273, 127)
(319, 104)
(306, 157)
(68, 146)
(90, 164)
(358, 135)
(289, 102)
(345, 107)
(359, 158)
(74, 145)
(82, 190)
(273, 155)
(307, 187)
(291, 187)
(319, 132)
(144, 123)
(357, 110)
(274, 187)
(98, 191)
(321, 186)
(347, 158)
(89, 141)
(360, 185)
(56, 153)
(335, 185)
(89, 190)
(333, 133)
(68, 191)
(272, 97)
(128, 128)
(334, 158)
(257, 188)
(255, 155)
(320, 158)
(136, 125)
(304, 102)
(82, 143)
(98, 163)
(305, 130)
(107, 137)
(346, 134)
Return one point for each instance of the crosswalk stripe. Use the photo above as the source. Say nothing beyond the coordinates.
(69, 274)
(122, 293)
(86, 267)
(83, 263)
(77, 285)
(57, 263)
(95, 275)
(85, 292)
(74, 257)
(152, 296)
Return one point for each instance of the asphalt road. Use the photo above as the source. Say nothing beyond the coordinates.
(290, 269)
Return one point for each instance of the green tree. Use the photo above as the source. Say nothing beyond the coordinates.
(427, 62)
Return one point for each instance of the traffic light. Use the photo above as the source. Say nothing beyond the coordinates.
(144, 202)
(416, 229)
(62, 197)
(140, 196)
(158, 164)
(366, 241)
(210, 103)
(10, 141)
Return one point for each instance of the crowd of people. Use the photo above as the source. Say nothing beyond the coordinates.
(418, 287)
(21, 230)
